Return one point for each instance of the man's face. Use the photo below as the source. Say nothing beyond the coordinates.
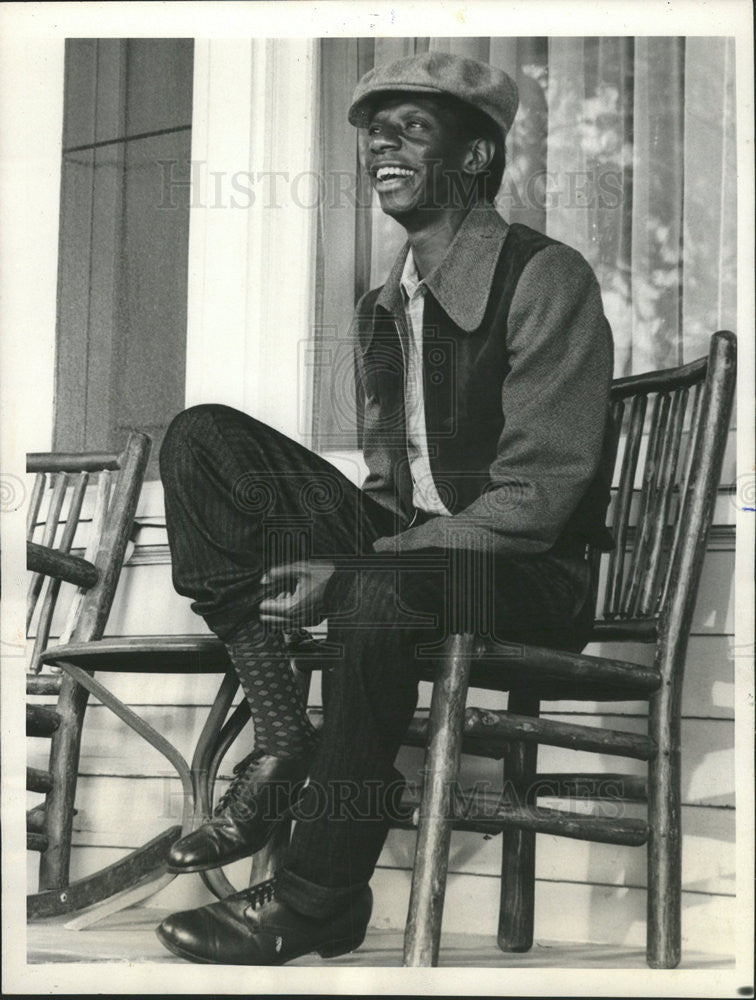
(411, 150)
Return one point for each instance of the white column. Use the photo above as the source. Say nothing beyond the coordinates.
(252, 227)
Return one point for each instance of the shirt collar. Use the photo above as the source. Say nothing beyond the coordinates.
(461, 284)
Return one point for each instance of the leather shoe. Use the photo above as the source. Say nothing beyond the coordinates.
(252, 927)
(259, 797)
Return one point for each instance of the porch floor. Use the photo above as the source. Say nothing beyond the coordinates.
(129, 936)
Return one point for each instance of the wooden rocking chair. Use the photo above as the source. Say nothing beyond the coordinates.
(652, 579)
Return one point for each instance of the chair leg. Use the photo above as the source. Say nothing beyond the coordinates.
(55, 861)
(203, 758)
(517, 893)
(218, 733)
(663, 930)
(140, 726)
(423, 933)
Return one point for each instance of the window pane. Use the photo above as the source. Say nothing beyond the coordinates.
(123, 241)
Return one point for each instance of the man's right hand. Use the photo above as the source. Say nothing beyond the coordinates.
(299, 601)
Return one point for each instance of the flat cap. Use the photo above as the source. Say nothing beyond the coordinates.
(486, 88)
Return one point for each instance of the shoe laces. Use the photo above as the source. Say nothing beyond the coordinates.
(244, 773)
(262, 893)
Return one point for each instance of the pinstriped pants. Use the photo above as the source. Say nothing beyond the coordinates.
(241, 497)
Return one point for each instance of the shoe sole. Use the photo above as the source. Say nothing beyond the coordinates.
(210, 865)
(336, 948)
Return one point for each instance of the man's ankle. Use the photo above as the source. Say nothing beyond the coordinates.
(311, 899)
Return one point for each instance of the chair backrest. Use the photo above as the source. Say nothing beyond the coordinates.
(62, 484)
(672, 430)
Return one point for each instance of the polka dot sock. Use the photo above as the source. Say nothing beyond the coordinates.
(261, 661)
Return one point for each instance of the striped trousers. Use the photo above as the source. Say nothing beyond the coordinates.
(241, 497)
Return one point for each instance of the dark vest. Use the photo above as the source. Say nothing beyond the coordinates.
(463, 373)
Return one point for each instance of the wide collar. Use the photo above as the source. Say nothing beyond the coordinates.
(461, 284)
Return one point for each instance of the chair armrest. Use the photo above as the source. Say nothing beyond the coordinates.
(61, 565)
(625, 630)
(560, 665)
(502, 665)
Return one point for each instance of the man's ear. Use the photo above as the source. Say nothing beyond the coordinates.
(478, 156)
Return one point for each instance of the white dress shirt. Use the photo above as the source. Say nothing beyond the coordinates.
(424, 493)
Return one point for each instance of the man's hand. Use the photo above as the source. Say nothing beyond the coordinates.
(299, 588)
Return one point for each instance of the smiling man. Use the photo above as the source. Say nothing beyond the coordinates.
(484, 364)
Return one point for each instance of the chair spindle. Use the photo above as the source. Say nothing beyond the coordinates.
(48, 540)
(664, 488)
(53, 584)
(34, 504)
(686, 467)
(613, 597)
(647, 505)
(102, 500)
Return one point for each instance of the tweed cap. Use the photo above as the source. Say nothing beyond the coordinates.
(483, 86)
